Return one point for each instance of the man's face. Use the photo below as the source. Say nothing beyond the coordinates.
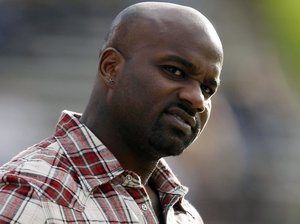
(162, 97)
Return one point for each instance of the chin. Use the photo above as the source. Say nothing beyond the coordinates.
(168, 146)
(166, 140)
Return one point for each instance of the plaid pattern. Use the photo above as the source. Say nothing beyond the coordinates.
(73, 178)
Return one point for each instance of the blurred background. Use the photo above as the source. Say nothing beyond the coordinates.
(244, 169)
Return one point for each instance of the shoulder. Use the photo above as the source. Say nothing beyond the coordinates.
(35, 162)
(42, 172)
(19, 202)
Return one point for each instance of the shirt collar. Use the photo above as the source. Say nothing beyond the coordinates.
(165, 180)
(93, 162)
(96, 165)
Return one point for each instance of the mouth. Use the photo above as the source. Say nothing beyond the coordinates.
(181, 119)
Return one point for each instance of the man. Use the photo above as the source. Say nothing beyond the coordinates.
(159, 67)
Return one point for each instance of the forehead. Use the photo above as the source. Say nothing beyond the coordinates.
(186, 47)
(192, 39)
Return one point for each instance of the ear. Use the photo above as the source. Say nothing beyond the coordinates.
(110, 65)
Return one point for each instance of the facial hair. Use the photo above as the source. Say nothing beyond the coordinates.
(172, 142)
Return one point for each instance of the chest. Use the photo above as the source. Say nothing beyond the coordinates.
(115, 205)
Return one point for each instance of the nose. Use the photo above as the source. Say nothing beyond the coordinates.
(192, 94)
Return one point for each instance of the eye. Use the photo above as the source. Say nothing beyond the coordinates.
(207, 90)
(175, 72)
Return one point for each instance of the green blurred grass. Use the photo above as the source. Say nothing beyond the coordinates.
(282, 19)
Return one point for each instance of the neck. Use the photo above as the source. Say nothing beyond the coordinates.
(130, 161)
(127, 157)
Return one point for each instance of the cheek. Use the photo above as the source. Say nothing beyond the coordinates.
(137, 99)
(147, 94)
(146, 90)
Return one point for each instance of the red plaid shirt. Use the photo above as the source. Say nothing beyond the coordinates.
(73, 178)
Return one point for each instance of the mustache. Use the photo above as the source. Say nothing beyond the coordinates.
(187, 107)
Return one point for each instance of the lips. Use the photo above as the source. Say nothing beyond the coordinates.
(182, 116)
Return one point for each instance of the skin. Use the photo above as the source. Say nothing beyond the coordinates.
(165, 60)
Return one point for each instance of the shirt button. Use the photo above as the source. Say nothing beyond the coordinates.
(144, 207)
(129, 177)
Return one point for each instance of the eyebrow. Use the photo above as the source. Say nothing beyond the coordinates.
(180, 60)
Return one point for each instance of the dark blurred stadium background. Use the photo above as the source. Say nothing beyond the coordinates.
(244, 169)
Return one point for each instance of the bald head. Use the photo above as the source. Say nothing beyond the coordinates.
(151, 21)
(159, 67)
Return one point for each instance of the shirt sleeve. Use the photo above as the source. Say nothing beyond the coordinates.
(19, 202)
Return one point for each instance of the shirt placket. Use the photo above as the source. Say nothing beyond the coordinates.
(138, 193)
